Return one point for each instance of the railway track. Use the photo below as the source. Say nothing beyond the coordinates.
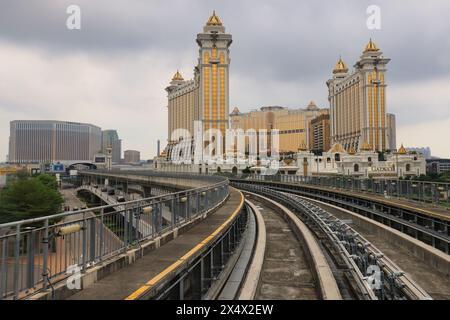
(285, 272)
(430, 227)
(359, 269)
(431, 280)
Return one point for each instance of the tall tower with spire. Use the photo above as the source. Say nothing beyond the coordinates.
(204, 98)
(358, 102)
(213, 68)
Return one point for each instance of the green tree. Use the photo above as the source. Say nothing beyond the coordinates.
(48, 180)
(22, 174)
(247, 170)
(28, 198)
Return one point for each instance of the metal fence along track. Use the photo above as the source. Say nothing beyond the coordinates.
(37, 252)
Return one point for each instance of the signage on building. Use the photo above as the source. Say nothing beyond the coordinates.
(57, 167)
(100, 159)
(382, 169)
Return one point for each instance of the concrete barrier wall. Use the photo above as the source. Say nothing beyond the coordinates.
(329, 289)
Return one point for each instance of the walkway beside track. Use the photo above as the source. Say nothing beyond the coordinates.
(129, 281)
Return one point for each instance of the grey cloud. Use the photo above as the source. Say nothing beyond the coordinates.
(283, 50)
(289, 40)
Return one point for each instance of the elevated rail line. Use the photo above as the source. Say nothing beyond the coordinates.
(429, 226)
(36, 253)
(372, 275)
(293, 265)
(424, 192)
(429, 267)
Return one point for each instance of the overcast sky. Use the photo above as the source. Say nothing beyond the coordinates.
(112, 72)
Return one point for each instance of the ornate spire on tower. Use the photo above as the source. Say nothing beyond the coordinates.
(340, 67)
(214, 20)
(303, 147)
(402, 150)
(371, 47)
(366, 146)
(177, 77)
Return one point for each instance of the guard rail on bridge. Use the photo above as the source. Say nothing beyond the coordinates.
(430, 192)
(177, 181)
(37, 252)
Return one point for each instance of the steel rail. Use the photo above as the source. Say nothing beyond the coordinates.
(396, 280)
(438, 239)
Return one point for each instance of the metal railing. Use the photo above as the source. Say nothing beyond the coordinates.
(36, 253)
(428, 192)
(156, 174)
(204, 277)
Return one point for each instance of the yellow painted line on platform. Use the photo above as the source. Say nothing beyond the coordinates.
(192, 251)
(164, 273)
(152, 282)
(137, 293)
(208, 239)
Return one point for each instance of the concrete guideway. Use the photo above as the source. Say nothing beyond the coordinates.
(161, 264)
(430, 210)
(354, 255)
(428, 267)
(429, 229)
(289, 263)
(250, 283)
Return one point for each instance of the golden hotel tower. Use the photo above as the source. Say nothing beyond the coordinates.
(358, 102)
(206, 97)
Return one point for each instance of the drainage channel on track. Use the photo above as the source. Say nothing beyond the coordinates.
(286, 273)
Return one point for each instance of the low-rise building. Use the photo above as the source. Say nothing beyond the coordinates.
(132, 156)
(364, 164)
(438, 166)
(319, 133)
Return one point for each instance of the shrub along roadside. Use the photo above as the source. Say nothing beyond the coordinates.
(29, 197)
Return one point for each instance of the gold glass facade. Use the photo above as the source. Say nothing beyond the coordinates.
(182, 110)
(206, 91)
(358, 102)
(205, 97)
(293, 124)
(223, 112)
(214, 69)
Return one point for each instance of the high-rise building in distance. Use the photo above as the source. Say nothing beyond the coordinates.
(358, 102)
(205, 97)
(319, 133)
(132, 156)
(293, 124)
(426, 151)
(39, 141)
(391, 131)
(110, 139)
